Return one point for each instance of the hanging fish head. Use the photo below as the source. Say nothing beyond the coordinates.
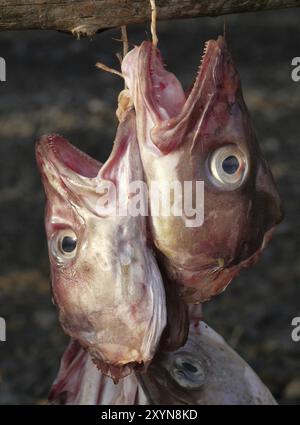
(105, 280)
(204, 141)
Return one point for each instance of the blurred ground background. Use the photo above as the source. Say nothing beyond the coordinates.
(53, 86)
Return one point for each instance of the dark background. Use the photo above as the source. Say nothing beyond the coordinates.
(53, 86)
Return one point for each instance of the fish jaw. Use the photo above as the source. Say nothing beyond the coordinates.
(179, 145)
(110, 293)
(162, 93)
(159, 97)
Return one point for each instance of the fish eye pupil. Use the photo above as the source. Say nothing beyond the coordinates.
(230, 164)
(189, 367)
(68, 244)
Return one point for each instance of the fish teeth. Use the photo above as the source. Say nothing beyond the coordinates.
(204, 51)
(202, 58)
(203, 55)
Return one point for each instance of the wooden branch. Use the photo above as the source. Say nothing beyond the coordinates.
(86, 17)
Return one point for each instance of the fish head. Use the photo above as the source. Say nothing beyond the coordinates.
(105, 280)
(205, 135)
(205, 371)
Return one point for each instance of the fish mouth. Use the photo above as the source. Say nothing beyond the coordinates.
(163, 93)
(56, 151)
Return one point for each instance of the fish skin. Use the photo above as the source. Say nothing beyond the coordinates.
(110, 295)
(177, 135)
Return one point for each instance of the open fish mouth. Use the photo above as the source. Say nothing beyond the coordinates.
(57, 151)
(162, 92)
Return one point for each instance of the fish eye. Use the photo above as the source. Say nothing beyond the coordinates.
(228, 167)
(187, 371)
(63, 245)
